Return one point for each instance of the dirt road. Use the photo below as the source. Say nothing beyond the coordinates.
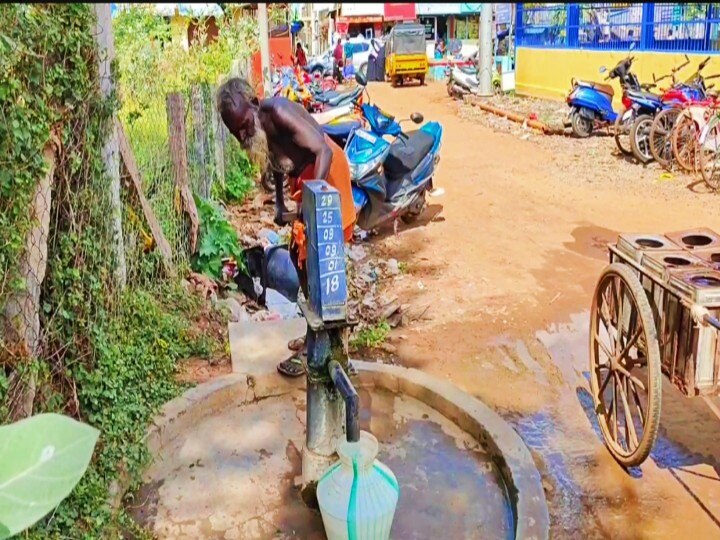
(507, 260)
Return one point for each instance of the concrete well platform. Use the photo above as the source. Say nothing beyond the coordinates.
(227, 455)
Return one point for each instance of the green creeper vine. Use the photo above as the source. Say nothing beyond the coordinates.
(107, 357)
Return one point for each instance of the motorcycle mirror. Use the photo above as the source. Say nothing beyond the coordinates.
(632, 46)
(360, 79)
(417, 117)
(603, 69)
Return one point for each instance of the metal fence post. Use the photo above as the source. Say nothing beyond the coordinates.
(519, 28)
(573, 25)
(709, 17)
(647, 27)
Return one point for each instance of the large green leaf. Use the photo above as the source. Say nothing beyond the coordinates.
(42, 458)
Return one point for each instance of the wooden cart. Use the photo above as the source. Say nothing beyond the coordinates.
(655, 310)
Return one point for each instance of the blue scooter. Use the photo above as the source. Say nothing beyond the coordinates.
(591, 102)
(390, 179)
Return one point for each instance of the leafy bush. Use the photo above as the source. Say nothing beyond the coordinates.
(108, 356)
(240, 175)
(218, 241)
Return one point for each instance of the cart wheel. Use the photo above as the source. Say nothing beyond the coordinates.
(625, 375)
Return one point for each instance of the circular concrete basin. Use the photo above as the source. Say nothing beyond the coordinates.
(228, 460)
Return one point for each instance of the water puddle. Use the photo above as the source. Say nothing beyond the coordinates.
(567, 344)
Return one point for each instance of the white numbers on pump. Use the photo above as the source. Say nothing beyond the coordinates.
(328, 234)
(326, 200)
(332, 284)
(331, 250)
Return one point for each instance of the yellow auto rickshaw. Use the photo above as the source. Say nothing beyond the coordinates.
(405, 56)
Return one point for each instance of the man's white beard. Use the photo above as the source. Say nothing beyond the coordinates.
(257, 149)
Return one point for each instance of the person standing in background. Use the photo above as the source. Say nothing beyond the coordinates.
(338, 56)
(440, 48)
(300, 58)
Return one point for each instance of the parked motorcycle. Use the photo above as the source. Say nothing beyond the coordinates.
(464, 80)
(591, 102)
(390, 180)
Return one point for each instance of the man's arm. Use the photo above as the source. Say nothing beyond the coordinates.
(280, 208)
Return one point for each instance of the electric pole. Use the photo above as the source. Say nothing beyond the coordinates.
(485, 54)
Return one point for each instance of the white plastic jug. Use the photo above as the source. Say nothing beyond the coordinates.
(358, 494)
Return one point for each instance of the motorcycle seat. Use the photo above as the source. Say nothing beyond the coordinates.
(405, 155)
(341, 130)
(331, 114)
(333, 98)
(600, 87)
(642, 94)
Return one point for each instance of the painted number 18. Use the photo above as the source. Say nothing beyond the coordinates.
(332, 284)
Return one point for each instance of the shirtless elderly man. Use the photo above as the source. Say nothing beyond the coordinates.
(281, 137)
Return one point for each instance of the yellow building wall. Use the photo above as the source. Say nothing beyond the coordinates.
(546, 73)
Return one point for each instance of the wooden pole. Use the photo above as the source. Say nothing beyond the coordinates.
(111, 158)
(178, 153)
(128, 159)
(22, 310)
(218, 128)
(200, 139)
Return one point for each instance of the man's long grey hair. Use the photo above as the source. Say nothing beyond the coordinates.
(230, 96)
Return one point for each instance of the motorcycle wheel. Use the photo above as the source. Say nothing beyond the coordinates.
(640, 138)
(414, 211)
(582, 127)
(660, 136)
(622, 133)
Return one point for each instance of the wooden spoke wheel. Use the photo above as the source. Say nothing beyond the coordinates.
(625, 377)
(709, 149)
(683, 139)
(660, 143)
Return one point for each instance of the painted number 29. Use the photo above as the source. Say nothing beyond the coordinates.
(332, 284)
(326, 200)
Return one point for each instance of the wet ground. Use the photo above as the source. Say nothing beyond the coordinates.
(508, 264)
(233, 475)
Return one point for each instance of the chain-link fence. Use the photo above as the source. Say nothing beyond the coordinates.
(106, 204)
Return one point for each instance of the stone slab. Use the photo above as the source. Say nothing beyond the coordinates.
(255, 347)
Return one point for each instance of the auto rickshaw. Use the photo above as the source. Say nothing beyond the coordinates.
(405, 54)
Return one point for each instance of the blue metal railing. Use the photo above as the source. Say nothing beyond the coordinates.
(668, 27)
